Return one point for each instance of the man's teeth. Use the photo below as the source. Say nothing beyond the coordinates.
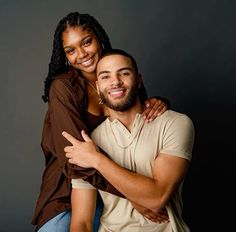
(115, 93)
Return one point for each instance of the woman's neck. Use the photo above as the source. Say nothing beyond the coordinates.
(91, 77)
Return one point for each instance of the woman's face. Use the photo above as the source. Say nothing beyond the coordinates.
(82, 49)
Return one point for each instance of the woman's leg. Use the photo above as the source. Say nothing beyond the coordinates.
(98, 213)
(60, 223)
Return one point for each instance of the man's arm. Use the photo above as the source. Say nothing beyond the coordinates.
(83, 203)
(152, 193)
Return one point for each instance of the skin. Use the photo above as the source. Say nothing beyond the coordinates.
(83, 51)
(86, 200)
(168, 171)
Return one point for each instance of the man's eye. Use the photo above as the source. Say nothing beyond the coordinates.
(125, 74)
(104, 77)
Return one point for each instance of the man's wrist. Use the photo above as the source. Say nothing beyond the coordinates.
(98, 160)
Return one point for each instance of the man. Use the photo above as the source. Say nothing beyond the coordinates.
(158, 153)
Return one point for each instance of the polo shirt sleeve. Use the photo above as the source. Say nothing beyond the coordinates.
(178, 137)
(81, 184)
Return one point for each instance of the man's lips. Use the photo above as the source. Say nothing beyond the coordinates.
(116, 92)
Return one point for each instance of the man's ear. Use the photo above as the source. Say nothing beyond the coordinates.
(97, 87)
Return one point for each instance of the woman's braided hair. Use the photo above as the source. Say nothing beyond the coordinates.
(58, 63)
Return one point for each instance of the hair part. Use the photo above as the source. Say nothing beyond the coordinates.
(58, 62)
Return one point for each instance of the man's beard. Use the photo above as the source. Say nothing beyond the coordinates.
(124, 105)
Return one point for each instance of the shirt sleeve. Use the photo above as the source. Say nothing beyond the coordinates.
(179, 137)
(65, 115)
(81, 184)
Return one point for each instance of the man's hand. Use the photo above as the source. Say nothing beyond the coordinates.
(83, 154)
(160, 217)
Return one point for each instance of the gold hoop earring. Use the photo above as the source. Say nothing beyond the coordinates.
(68, 62)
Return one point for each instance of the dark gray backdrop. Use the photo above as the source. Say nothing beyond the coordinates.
(186, 53)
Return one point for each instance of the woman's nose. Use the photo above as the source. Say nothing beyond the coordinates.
(82, 53)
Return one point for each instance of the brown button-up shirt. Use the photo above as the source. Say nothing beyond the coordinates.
(67, 111)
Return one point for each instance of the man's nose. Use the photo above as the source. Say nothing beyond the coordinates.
(116, 80)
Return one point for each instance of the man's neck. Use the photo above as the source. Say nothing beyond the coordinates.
(127, 117)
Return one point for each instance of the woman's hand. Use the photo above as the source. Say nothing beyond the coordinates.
(159, 217)
(154, 107)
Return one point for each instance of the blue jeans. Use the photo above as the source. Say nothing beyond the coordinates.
(61, 222)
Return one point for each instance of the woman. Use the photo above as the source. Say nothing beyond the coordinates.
(73, 105)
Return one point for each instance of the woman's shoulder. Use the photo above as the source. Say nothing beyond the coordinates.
(67, 76)
(66, 83)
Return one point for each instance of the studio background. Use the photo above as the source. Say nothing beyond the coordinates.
(186, 53)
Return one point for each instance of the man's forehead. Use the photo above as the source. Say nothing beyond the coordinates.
(113, 61)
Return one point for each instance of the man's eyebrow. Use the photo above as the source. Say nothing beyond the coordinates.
(119, 70)
(125, 68)
(102, 72)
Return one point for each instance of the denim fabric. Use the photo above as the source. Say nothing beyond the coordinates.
(61, 223)
(98, 213)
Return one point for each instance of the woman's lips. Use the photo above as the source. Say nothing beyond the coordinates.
(87, 62)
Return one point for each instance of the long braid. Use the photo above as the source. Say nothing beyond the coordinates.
(58, 63)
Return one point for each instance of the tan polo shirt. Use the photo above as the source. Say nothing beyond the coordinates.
(171, 133)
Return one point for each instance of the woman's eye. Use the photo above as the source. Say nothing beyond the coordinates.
(87, 42)
(69, 51)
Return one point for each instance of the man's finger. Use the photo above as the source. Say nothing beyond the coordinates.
(68, 155)
(70, 138)
(85, 136)
(68, 149)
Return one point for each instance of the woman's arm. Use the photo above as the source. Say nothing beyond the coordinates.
(66, 113)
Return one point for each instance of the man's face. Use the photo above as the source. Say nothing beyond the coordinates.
(117, 82)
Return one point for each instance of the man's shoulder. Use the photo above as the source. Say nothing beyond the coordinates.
(171, 115)
(99, 130)
(171, 119)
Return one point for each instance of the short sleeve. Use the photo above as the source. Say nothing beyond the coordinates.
(81, 184)
(178, 137)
